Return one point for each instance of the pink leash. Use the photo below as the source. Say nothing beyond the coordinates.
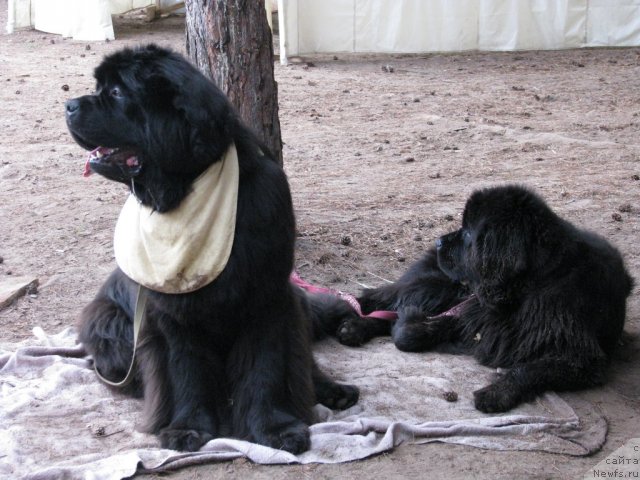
(350, 299)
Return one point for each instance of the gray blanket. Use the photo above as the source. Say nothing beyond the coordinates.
(58, 421)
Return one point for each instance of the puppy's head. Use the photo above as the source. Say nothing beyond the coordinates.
(154, 122)
(507, 234)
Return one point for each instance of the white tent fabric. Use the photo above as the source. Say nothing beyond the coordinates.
(414, 26)
(80, 19)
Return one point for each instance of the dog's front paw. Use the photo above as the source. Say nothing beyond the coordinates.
(336, 396)
(497, 397)
(293, 437)
(411, 332)
(183, 440)
(410, 315)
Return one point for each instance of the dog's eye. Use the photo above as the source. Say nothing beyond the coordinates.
(115, 92)
(466, 237)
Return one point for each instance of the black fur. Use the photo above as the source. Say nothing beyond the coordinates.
(548, 302)
(423, 286)
(232, 358)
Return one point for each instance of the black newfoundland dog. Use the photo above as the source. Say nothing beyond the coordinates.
(518, 288)
(232, 357)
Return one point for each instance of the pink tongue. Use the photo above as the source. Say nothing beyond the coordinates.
(87, 169)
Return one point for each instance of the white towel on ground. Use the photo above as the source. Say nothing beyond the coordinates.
(57, 420)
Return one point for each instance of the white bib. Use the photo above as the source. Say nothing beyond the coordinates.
(187, 248)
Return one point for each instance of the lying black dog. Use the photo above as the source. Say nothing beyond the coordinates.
(539, 296)
(223, 354)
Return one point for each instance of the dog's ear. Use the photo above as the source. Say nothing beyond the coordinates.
(503, 252)
(502, 257)
(207, 114)
(199, 111)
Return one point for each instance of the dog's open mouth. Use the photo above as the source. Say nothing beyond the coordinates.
(113, 159)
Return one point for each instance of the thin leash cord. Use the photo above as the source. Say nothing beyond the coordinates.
(350, 299)
(138, 317)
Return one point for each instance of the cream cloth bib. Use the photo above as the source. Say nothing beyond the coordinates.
(185, 249)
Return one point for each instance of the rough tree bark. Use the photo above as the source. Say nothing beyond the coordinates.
(231, 43)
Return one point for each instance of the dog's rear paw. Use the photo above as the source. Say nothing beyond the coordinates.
(495, 398)
(353, 332)
(336, 396)
(183, 440)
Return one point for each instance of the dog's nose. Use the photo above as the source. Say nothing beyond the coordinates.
(438, 244)
(72, 106)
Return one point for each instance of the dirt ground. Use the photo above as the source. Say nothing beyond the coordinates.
(381, 152)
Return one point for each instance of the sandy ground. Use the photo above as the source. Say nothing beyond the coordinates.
(381, 152)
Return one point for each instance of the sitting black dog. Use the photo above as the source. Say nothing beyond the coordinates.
(229, 354)
(517, 287)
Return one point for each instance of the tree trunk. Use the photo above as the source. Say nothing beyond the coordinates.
(231, 43)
